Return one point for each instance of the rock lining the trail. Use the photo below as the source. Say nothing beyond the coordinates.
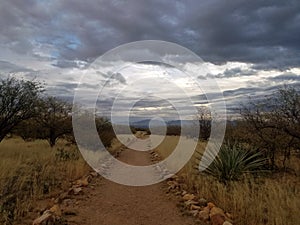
(54, 215)
(199, 208)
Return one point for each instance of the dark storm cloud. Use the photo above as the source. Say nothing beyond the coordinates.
(265, 33)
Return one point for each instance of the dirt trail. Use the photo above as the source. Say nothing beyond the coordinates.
(114, 204)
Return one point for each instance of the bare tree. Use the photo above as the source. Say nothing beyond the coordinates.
(287, 111)
(274, 123)
(204, 118)
(18, 102)
(55, 118)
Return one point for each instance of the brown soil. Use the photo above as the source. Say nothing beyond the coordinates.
(108, 203)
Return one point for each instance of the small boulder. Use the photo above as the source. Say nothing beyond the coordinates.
(55, 210)
(82, 182)
(94, 174)
(75, 191)
(204, 214)
(190, 202)
(195, 207)
(211, 205)
(187, 197)
(194, 212)
(216, 211)
(46, 218)
(217, 219)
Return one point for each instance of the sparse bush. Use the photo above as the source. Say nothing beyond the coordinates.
(204, 119)
(64, 155)
(273, 125)
(105, 131)
(233, 162)
(54, 119)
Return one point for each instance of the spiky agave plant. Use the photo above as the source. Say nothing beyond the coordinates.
(232, 162)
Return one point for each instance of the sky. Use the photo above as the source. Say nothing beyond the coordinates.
(250, 48)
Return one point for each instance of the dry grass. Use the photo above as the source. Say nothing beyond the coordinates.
(32, 170)
(273, 200)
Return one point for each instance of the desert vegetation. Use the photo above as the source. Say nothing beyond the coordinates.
(255, 175)
(32, 171)
(38, 154)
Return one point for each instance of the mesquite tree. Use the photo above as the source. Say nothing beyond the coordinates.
(19, 100)
(55, 118)
(274, 123)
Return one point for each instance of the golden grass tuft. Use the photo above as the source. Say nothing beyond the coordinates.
(32, 170)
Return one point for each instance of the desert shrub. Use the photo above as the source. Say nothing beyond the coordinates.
(233, 162)
(105, 131)
(18, 102)
(273, 125)
(64, 155)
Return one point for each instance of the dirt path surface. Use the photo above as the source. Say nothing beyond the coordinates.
(109, 203)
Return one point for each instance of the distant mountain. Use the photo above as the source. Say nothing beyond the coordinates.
(141, 123)
(145, 123)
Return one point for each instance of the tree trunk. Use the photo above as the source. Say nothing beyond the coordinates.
(52, 138)
(2, 137)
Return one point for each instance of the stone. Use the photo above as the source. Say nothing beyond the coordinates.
(217, 211)
(217, 219)
(55, 210)
(190, 202)
(211, 205)
(175, 177)
(94, 174)
(82, 182)
(227, 223)
(75, 190)
(46, 218)
(187, 197)
(172, 185)
(195, 207)
(194, 212)
(204, 214)
(61, 197)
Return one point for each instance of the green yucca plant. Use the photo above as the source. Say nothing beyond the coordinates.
(232, 162)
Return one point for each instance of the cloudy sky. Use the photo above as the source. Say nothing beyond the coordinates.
(251, 48)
